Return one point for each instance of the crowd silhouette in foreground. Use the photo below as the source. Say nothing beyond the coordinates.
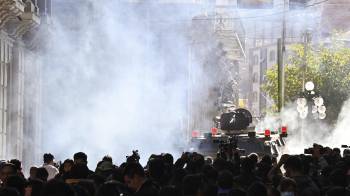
(325, 171)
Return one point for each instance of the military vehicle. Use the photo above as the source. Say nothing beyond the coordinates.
(233, 130)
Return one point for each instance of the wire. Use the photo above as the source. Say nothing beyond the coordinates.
(236, 18)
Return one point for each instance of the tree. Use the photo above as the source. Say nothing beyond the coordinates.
(328, 67)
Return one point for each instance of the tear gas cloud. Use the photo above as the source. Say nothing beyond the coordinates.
(115, 80)
(116, 76)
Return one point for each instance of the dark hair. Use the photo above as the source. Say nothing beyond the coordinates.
(12, 166)
(67, 161)
(168, 158)
(48, 157)
(156, 168)
(254, 157)
(17, 163)
(336, 150)
(107, 158)
(132, 169)
(80, 155)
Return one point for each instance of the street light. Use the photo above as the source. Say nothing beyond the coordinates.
(318, 109)
(309, 86)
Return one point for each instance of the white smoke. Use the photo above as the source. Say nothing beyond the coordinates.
(115, 80)
(341, 133)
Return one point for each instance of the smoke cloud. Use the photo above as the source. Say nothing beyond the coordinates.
(115, 80)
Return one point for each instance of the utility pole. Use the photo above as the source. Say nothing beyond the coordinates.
(280, 60)
(306, 43)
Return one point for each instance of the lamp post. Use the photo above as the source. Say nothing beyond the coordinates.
(318, 109)
(310, 101)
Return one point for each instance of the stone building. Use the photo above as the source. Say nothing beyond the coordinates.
(22, 30)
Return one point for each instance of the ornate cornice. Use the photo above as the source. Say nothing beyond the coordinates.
(10, 9)
(28, 21)
(18, 18)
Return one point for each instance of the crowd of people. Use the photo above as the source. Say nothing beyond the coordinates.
(323, 172)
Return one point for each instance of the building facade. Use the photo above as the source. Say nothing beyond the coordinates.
(21, 38)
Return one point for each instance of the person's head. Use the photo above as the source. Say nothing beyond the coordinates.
(247, 165)
(42, 174)
(293, 166)
(156, 168)
(57, 188)
(168, 159)
(80, 158)
(107, 158)
(18, 164)
(288, 186)
(67, 165)
(257, 188)
(346, 153)
(254, 157)
(134, 175)
(336, 151)
(32, 172)
(225, 179)
(48, 158)
(6, 170)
